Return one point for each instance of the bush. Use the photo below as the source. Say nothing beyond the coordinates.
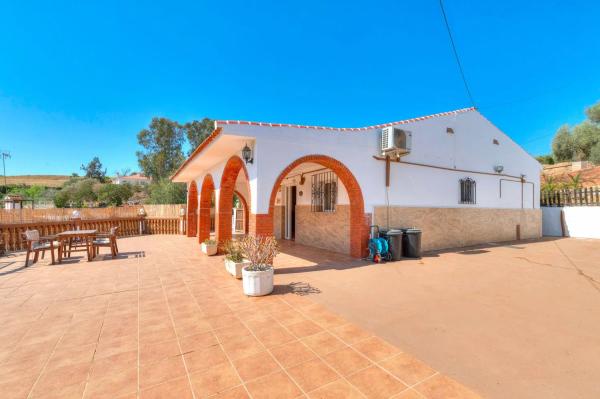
(232, 251)
(167, 192)
(260, 251)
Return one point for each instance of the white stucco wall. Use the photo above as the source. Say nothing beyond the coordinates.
(470, 148)
(580, 221)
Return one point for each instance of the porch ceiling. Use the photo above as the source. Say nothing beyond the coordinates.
(219, 150)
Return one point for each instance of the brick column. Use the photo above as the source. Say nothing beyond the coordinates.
(261, 224)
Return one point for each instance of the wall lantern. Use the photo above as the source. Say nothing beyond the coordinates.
(498, 168)
(247, 154)
(76, 214)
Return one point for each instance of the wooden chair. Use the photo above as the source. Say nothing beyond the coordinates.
(37, 244)
(106, 240)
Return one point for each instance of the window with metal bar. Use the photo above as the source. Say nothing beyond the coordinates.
(323, 192)
(468, 191)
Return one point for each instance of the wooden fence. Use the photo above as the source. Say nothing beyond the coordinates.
(11, 233)
(28, 215)
(588, 196)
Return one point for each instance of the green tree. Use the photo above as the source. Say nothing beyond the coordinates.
(595, 154)
(563, 146)
(545, 159)
(94, 170)
(585, 136)
(593, 113)
(162, 148)
(197, 131)
(166, 192)
(76, 192)
(114, 194)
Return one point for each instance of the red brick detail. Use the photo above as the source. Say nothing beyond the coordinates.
(192, 209)
(246, 210)
(261, 224)
(223, 217)
(206, 192)
(359, 221)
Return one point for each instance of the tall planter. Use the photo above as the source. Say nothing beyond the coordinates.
(258, 282)
(209, 248)
(235, 268)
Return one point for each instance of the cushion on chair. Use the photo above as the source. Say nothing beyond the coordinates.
(102, 241)
(32, 235)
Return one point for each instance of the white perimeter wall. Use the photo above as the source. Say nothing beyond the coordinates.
(470, 148)
(580, 221)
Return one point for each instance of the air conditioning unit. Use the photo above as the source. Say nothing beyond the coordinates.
(395, 141)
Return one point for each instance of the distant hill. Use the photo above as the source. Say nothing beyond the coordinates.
(41, 180)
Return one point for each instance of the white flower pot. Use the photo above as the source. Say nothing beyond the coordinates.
(209, 249)
(257, 283)
(235, 269)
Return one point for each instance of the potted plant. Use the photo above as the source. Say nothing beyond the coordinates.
(209, 247)
(257, 277)
(234, 259)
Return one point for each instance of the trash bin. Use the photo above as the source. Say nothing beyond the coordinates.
(394, 237)
(411, 243)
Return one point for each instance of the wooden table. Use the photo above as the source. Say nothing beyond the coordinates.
(66, 237)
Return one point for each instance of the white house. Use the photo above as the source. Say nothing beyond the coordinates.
(135, 178)
(454, 175)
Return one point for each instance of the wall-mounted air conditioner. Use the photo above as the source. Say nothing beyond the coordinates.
(395, 141)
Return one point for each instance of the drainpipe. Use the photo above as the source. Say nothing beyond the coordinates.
(387, 190)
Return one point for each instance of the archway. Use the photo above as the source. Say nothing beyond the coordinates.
(192, 209)
(206, 203)
(233, 168)
(359, 229)
(246, 210)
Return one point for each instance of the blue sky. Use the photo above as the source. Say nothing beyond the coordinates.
(79, 79)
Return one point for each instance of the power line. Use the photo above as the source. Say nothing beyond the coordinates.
(460, 68)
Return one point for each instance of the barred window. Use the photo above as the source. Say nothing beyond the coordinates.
(323, 192)
(468, 191)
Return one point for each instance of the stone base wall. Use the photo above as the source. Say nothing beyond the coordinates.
(460, 227)
(327, 230)
(278, 222)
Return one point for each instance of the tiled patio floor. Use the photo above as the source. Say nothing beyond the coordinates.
(163, 321)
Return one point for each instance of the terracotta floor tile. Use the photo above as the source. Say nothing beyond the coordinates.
(442, 387)
(290, 317)
(407, 368)
(242, 347)
(312, 374)
(328, 320)
(64, 356)
(235, 393)
(273, 336)
(178, 388)
(232, 331)
(373, 382)
(17, 387)
(203, 359)
(74, 391)
(255, 366)
(113, 346)
(215, 380)
(323, 343)
(197, 341)
(151, 353)
(112, 385)
(161, 371)
(347, 361)
(350, 333)
(115, 363)
(292, 353)
(221, 321)
(336, 390)
(376, 348)
(52, 381)
(273, 386)
(304, 328)
(408, 394)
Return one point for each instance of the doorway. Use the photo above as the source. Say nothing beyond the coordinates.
(290, 213)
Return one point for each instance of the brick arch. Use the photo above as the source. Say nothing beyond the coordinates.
(206, 192)
(246, 210)
(192, 209)
(359, 229)
(230, 173)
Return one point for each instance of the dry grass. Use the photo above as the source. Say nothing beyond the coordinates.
(42, 180)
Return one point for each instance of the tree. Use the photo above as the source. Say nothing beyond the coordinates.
(114, 194)
(167, 192)
(593, 113)
(76, 192)
(94, 170)
(585, 136)
(595, 154)
(545, 159)
(563, 148)
(198, 131)
(162, 154)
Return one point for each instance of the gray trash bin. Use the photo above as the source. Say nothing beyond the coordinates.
(411, 243)
(395, 243)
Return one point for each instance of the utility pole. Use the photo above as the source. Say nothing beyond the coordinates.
(4, 156)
